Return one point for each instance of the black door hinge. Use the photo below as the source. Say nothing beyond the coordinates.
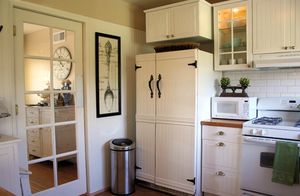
(192, 180)
(137, 167)
(193, 64)
(137, 67)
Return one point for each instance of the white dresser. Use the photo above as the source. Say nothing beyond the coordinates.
(9, 164)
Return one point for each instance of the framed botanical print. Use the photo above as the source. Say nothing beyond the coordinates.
(108, 74)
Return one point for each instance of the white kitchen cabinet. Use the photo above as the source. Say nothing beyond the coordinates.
(168, 86)
(9, 164)
(275, 26)
(232, 35)
(188, 19)
(220, 160)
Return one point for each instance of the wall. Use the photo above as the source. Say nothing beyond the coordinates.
(115, 11)
(270, 83)
(101, 130)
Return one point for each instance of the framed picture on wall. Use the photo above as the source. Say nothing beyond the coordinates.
(108, 74)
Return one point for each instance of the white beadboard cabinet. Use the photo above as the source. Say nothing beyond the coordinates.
(220, 160)
(233, 35)
(170, 89)
(276, 26)
(9, 164)
(186, 19)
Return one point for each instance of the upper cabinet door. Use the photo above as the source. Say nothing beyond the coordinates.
(176, 84)
(158, 25)
(145, 86)
(274, 26)
(296, 31)
(232, 32)
(180, 15)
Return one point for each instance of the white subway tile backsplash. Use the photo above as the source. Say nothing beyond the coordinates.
(269, 83)
(293, 89)
(273, 82)
(287, 82)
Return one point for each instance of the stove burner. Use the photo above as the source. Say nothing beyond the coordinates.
(268, 121)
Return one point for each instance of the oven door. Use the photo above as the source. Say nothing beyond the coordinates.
(256, 168)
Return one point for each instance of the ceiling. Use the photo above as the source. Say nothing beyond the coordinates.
(147, 4)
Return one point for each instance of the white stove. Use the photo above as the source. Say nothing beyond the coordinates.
(278, 120)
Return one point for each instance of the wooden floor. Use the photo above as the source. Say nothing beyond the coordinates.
(42, 177)
(139, 191)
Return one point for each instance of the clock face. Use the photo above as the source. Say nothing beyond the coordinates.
(62, 65)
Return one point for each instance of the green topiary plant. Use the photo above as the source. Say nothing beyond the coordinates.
(244, 82)
(225, 81)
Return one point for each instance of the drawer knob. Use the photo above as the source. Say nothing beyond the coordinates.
(220, 144)
(220, 173)
(220, 133)
(168, 36)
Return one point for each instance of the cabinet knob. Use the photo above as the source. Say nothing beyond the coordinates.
(168, 36)
(284, 47)
(172, 35)
(220, 133)
(220, 144)
(220, 173)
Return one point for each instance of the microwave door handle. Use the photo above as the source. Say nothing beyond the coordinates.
(272, 142)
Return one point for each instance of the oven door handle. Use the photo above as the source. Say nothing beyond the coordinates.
(262, 141)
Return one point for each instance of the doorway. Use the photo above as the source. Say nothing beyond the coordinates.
(49, 97)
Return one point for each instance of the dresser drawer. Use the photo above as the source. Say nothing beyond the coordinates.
(220, 182)
(32, 112)
(34, 150)
(221, 154)
(33, 133)
(222, 133)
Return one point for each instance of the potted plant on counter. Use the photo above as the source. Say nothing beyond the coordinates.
(225, 81)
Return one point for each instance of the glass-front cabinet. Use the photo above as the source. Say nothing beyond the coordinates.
(232, 36)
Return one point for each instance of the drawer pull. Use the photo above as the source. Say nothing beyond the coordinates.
(220, 173)
(220, 133)
(33, 150)
(220, 144)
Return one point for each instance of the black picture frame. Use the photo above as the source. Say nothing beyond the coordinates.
(108, 74)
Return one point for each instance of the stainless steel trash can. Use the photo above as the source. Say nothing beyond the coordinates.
(122, 153)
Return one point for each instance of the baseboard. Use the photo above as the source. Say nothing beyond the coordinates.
(160, 188)
(97, 192)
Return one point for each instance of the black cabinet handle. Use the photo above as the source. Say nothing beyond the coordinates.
(157, 85)
(150, 87)
(1, 27)
(193, 64)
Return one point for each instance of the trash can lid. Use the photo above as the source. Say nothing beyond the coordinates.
(122, 144)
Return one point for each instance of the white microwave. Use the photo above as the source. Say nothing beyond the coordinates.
(240, 108)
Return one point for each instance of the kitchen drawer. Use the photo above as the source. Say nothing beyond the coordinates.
(221, 154)
(34, 150)
(222, 133)
(220, 182)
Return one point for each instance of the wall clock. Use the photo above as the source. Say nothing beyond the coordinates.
(62, 65)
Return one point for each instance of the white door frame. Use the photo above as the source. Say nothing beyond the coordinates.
(74, 187)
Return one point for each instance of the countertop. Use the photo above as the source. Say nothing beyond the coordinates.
(223, 123)
(5, 139)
